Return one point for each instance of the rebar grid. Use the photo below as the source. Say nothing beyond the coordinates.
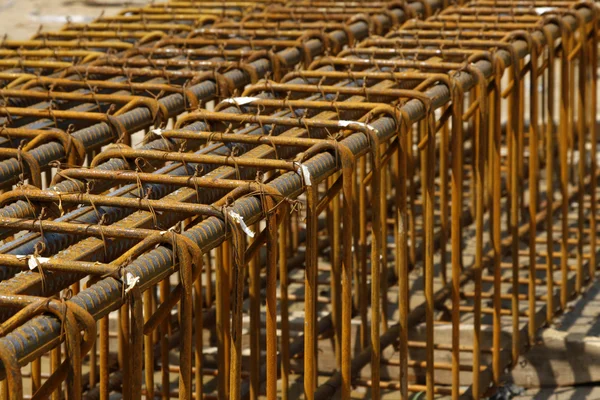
(161, 63)
(425, 158)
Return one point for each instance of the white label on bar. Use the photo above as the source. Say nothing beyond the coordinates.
(240, 220)
(542, 10)
(171, 229)
(240, 101)
(305, 174)
(35, 262)
(157, 131)
(130, 281)
(344, 123)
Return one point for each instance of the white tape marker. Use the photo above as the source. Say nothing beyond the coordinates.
(305, 174)
(240, 220)
(542, 10)
(33, 262)
(130, 281)
(343, 123)
(240, 101)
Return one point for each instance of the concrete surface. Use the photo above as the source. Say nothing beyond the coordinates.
(568, 352)
(568, 393)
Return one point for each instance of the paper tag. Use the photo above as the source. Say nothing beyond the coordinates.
(542, 10)
(162, 233)
(33, 262)
(130, 281)
(240, 220)
(240, 101)
(305, 174)
(157, 131)
(345, 123)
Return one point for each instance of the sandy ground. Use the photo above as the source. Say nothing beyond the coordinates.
(20, 19)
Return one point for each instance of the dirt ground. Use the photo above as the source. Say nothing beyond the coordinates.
(20, 19)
